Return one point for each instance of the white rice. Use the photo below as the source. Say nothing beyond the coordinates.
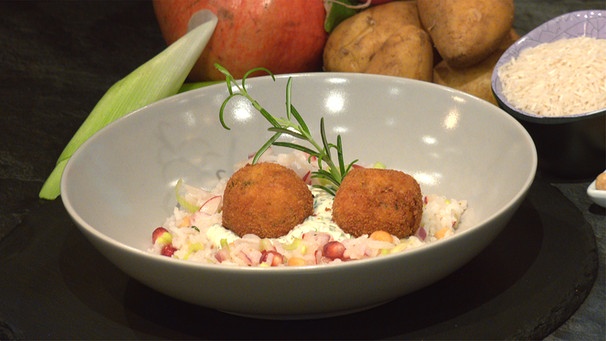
(564, 77)
(199, 236)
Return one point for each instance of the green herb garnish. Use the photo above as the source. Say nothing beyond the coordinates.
(333, 173)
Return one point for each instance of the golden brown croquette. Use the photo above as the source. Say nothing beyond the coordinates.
(266, 199)
(371, 199)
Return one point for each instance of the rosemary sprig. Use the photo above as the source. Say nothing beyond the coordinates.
(295, 126)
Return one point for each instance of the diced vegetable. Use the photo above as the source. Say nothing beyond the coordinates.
(162, 236)
(382, 236)
(182, 201)
(195, 247)
(296, 261)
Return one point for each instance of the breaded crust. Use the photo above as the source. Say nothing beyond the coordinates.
(371, 199)
(265, 199)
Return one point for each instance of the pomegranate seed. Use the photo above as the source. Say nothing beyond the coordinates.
(158, 232)
(333, 250)
(168, 250)
(276, 257)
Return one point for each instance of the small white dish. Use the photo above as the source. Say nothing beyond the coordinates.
(598, 196)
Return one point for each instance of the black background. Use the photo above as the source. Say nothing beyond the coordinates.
(56, 61)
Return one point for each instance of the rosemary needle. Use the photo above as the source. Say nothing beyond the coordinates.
(329, 169)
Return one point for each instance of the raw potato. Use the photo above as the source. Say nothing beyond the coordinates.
(374, 39)
(509, 39)
(476, 79)
(407, 53)
(465, 32)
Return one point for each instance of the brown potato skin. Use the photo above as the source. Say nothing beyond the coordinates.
(466, 31)
(476, 79)
(407, 53)
(371, 199)
(266, 199)
(380, 40)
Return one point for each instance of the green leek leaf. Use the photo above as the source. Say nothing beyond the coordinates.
(196, 85)
(337, 11)
(160, 77)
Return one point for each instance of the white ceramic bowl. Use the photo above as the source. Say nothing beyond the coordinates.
(119, 185)
(597, 196)
(570, 146)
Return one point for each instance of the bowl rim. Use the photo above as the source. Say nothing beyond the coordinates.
(531, 39)
(89, 230)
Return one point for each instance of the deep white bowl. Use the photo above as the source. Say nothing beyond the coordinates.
(119, 185)
(572, 146)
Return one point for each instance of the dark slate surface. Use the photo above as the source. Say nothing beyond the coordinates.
(58, 58)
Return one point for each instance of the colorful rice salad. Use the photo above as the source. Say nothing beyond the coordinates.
(194, 232)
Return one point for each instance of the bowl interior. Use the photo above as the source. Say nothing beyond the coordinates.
(120, 182)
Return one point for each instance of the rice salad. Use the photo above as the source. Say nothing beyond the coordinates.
(194, 232)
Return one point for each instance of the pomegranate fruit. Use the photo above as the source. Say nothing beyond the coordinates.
(284, 36)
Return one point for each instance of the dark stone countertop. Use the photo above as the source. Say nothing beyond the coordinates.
(58, 58)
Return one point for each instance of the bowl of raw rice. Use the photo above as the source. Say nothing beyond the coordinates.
(553, 80)
(150, 192)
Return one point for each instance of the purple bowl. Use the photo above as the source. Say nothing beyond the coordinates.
(572, 146)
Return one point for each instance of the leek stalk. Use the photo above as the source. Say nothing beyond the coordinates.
(160, 77)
